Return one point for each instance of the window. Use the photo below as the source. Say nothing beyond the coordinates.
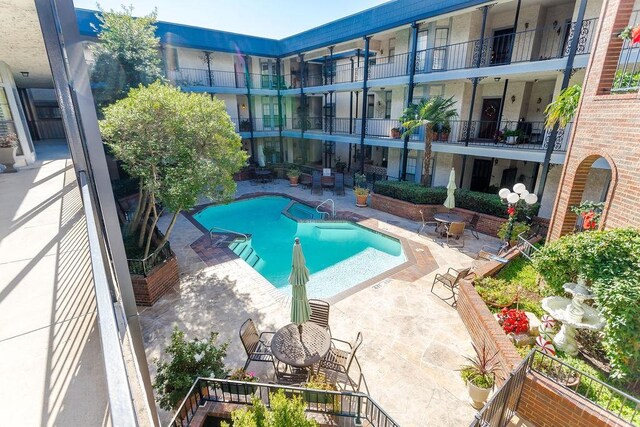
(48, 112)
(371, 102)
(387, 104)
(440, 51)
(421, 50)
(392, 48)
(412, 162)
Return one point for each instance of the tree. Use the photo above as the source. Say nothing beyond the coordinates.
(561, 111)
(428, 113)
(188, 360)
(179, 145)
(126, 54)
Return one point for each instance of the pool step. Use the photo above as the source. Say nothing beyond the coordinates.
(245, 251)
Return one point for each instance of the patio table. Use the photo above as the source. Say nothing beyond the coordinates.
(263, 175)
(288, 347)
(446, 218)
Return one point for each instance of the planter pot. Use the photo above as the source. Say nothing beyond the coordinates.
(8, 158)
(316, 397)
(239, 389)
(444, 136)
(512, 140)
(394, 133)
(478, 395)
(293, 181)
(361, 200)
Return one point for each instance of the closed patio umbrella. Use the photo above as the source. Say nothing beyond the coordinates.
(300, 310)
(450, 201)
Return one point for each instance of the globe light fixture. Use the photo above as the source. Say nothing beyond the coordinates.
(513, 200)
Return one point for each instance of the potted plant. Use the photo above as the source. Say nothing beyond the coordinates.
(512, 136)
(293, 173)
(241, 389)
(245, 125)
(394, 133)
(516, 229)
(480, 375)
(319, 382)
(8, 148)
(360, 189)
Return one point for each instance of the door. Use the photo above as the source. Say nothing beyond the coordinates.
(501, 46)
(481, 175)
(508, 177)
(489, 118)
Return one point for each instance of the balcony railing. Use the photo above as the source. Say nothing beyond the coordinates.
(627, 77)
(213, 78)
(342, 406)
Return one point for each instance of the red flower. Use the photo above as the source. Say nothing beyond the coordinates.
(635, 35)
(513, 320)
(589, 222)
(511, 210)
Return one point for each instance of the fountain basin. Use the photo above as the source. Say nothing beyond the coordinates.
(557, 307)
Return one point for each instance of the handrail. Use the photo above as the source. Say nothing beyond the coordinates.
(224, 230)
(333, 208)
(355, 405)
(525, 247)
(120, 401)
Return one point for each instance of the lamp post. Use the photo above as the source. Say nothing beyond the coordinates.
(515, 199)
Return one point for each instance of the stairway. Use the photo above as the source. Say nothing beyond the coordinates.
(245, 251)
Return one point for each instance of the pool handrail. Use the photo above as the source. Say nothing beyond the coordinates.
(333, 209)
(224, 230)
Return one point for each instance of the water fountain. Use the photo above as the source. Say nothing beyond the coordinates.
(574, 314)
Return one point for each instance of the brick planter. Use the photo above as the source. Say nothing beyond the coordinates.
(148, 289)
(488, 224)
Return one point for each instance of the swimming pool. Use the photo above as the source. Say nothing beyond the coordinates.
(339, 255)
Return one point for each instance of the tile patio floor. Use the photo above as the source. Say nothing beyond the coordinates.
(413, 342)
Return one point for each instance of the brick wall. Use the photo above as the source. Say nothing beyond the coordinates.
(488, 224)
(484, 329)
(546, 404)
(606, 125)
(149, 289)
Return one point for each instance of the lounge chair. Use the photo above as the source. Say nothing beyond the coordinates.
(257, 346)
(426, 223)
(320, 313)
(473, 225)
(338, 188)
(341, 357)
(450, 280)
(455, 231)
(316, 183)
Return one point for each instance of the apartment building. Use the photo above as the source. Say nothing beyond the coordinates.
(335, 93)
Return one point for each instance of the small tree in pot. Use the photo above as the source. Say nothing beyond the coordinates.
(293, 174)
(480, 375)
(8, 147)
(360, 189)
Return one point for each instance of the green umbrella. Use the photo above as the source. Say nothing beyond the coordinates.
(300, 310)
(450, 202)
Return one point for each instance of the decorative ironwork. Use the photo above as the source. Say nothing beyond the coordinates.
(584, 41)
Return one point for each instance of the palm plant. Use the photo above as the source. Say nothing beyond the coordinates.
(561, 111)
(428, 113)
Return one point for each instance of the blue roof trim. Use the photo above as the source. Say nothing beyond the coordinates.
(380, 18)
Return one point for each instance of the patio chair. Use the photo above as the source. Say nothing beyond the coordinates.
(473, 225)
(316, 183)
(256, 345)
(426, 223)
(327, 181)
(490, 253)
(450, 280)
(340, 360)
(338, 188)
(305, 180)
(320, 313)
(455, 231)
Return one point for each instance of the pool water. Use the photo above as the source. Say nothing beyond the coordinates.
(339, 255)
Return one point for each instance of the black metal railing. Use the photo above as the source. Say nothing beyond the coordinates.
(615, 404)
(341, 405)
(213, 78)
(627, 77)
(157, 257)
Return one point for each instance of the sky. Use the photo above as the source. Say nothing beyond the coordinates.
(265, 18)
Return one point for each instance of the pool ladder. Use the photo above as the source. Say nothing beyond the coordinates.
(323, 213)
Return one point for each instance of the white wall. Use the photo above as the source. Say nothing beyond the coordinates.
(16, 114)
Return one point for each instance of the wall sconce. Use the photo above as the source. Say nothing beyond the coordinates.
(24, 73)
(495, 161)
(513, 98)
(526, 25)
(243, 106)
(496, 79)
(555, 24)
(539, 101)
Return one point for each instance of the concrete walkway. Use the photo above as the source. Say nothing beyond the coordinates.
(51, 366)
(413, 342)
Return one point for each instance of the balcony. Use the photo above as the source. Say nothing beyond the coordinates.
(342, 408)
(197, 77)
(627, 77)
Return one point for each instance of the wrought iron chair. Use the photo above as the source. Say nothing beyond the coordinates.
(473, 225)
(256, 345)
(450, 280)
(426, 223)
(341, 360)
(320, 313)
(455, 231)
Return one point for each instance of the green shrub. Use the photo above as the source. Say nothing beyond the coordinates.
(496, 292)
(609, 260)
(283, 413)
(518, 228)
(411, 192)
(188, 360)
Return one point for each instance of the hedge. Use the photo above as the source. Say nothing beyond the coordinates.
(485, 203)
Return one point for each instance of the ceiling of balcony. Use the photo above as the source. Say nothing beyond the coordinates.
(21, 43)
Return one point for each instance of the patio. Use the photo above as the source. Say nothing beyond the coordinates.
(413, 342)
